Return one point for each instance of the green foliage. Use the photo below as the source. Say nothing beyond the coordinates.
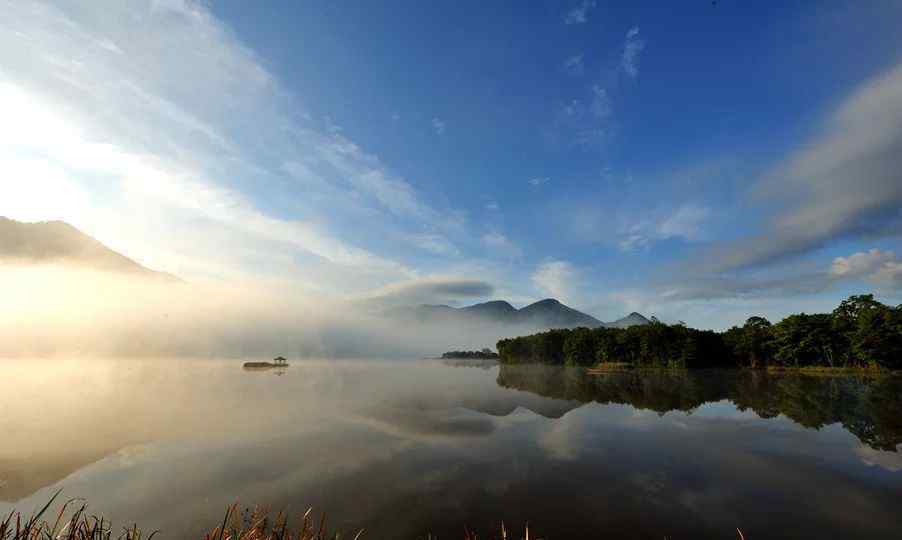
(861, 332)
(877, 339)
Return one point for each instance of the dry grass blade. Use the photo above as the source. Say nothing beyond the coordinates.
(255, 524)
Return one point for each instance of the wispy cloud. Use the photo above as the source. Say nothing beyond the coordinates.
(439, 126)
(632, 50)
(881, 268)
(179, 147)
(843, 184)
(574, 64)
(430, 290)
(601, 103)
(539, 180)
(587, 121)
(685, 222)
(434, 243)
(580, 13)
(500, 244)
(557, 279)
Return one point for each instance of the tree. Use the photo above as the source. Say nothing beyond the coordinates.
(804, 340)
(860, 331)
(756, 343)
(845, 325)
(579, 347)
(878, 337)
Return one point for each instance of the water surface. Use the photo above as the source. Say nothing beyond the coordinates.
(406, 448)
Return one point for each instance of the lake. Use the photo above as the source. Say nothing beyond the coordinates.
(407, 448)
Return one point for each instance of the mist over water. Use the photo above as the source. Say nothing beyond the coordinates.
(71, 311)
(404, 448)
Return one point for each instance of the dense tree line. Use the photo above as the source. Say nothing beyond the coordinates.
(861, 332)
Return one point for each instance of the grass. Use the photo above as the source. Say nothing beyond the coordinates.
(78, 526)
(254, 524)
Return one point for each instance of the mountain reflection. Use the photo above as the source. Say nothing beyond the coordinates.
(865, 406)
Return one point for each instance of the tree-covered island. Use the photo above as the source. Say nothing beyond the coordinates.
(484, 354)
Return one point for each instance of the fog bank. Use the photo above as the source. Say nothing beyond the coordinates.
(52, 310)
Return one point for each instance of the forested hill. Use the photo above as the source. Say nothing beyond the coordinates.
(860, 332)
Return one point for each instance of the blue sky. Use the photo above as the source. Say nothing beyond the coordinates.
(696, 162)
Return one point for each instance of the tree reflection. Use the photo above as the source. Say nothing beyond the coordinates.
(868, 407)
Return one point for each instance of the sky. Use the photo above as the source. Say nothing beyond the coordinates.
(701, 162)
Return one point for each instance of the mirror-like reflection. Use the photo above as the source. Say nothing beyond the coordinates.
(869, 407)
(408, 448)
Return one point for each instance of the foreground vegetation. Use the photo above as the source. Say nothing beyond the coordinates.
(79, 525)
(248, 525)
(860, 333)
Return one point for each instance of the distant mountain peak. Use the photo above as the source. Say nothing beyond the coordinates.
(546, 313)
(632, 319)
(58, 241)
(503, 304)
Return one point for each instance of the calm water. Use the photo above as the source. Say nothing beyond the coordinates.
(406, 448)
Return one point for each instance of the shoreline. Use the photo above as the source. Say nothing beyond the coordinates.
(614, 367)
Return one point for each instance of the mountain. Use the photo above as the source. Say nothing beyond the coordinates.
(57, 241)
(495, 309)
(548, 313)
(632, 319)
(553, 314)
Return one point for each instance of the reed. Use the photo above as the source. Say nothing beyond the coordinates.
(79, 525)
(250, 524)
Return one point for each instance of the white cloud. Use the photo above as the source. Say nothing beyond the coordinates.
(683, 222)
(580, 13)
(439, 126)
(861, 263)
(500, 244)
(587, 121)
(890, 461)
(881, 268)
(434, 243)
(152, 128)
(889, 275)
(492, 206)
(601, 103)
(539, 180)
(557, 279)
(632, 50)
(843, 184)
